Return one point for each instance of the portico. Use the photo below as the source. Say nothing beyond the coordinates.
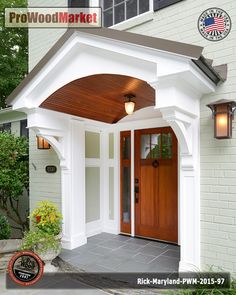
(69, 93)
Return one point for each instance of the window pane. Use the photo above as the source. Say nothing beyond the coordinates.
(131, 8)
(143, 6)
(5, 127)
(111, 193)
(78, 3)
(92, 145)
(118, 1)
(155, 146)
(126, 148)
(126, 195)
(92, 181)
(119, 13)
(107, 4)
(145, 146)
(166, 146)
(108, 18)
(23, 128)
(111, 145)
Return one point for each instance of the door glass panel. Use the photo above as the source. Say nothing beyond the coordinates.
(155, 146)
(126, 148)
(150, 146)
(166, 146)
(145, 146)
(126, 195)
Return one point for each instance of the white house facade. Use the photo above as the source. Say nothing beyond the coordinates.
(172, 83)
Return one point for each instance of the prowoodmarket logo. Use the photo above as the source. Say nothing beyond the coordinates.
(53, 17)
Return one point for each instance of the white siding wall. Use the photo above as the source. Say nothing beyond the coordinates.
(43, 186)
(218, 158)
(41, 40)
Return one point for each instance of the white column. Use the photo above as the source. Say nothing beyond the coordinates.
(180, 108)
(73, 190)
(190, 206)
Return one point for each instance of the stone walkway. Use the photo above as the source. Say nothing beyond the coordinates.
(105, 253)
(115, 253)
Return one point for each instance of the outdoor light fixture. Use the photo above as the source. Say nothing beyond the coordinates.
(129, 105)
(223, 114)
(42, 144)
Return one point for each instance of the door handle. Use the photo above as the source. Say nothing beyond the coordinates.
(136, 192)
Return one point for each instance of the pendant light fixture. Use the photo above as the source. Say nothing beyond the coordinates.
(129, 104)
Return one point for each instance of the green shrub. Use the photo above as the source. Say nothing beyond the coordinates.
(40, 242)
(47, 218)
(5, 228)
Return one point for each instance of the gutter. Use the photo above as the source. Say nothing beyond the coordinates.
(211, 72)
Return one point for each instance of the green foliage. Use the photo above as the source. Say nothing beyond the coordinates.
(40, 242)
(231, 291)
(47, 218)
(14, 175)
(5, 229)
(13, 53)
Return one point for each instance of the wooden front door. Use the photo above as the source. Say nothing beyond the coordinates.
(156, 184)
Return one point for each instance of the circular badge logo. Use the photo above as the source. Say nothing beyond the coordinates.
(214, 24)
(25, 268)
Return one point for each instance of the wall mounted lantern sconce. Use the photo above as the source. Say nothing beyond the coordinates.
(130, 104)
(223, 114)
(42, 144)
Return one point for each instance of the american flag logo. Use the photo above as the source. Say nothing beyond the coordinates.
(214, 24)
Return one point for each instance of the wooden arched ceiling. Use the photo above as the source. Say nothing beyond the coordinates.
(100, 97)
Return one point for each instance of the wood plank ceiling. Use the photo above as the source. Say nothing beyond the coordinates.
(100, 97)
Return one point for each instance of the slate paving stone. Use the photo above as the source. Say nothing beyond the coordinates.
(110, 262)
(122, 238)
(112, 244)
(67, 254)
(172, 253)
(104, 236)
(132, 247)
(138, 241)
(144, 258)
(100, 251)
(121, 252)
(164, 263)
(158, 244)
(94, 241)
(151, 250)
(84, 259)
(173, 247)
